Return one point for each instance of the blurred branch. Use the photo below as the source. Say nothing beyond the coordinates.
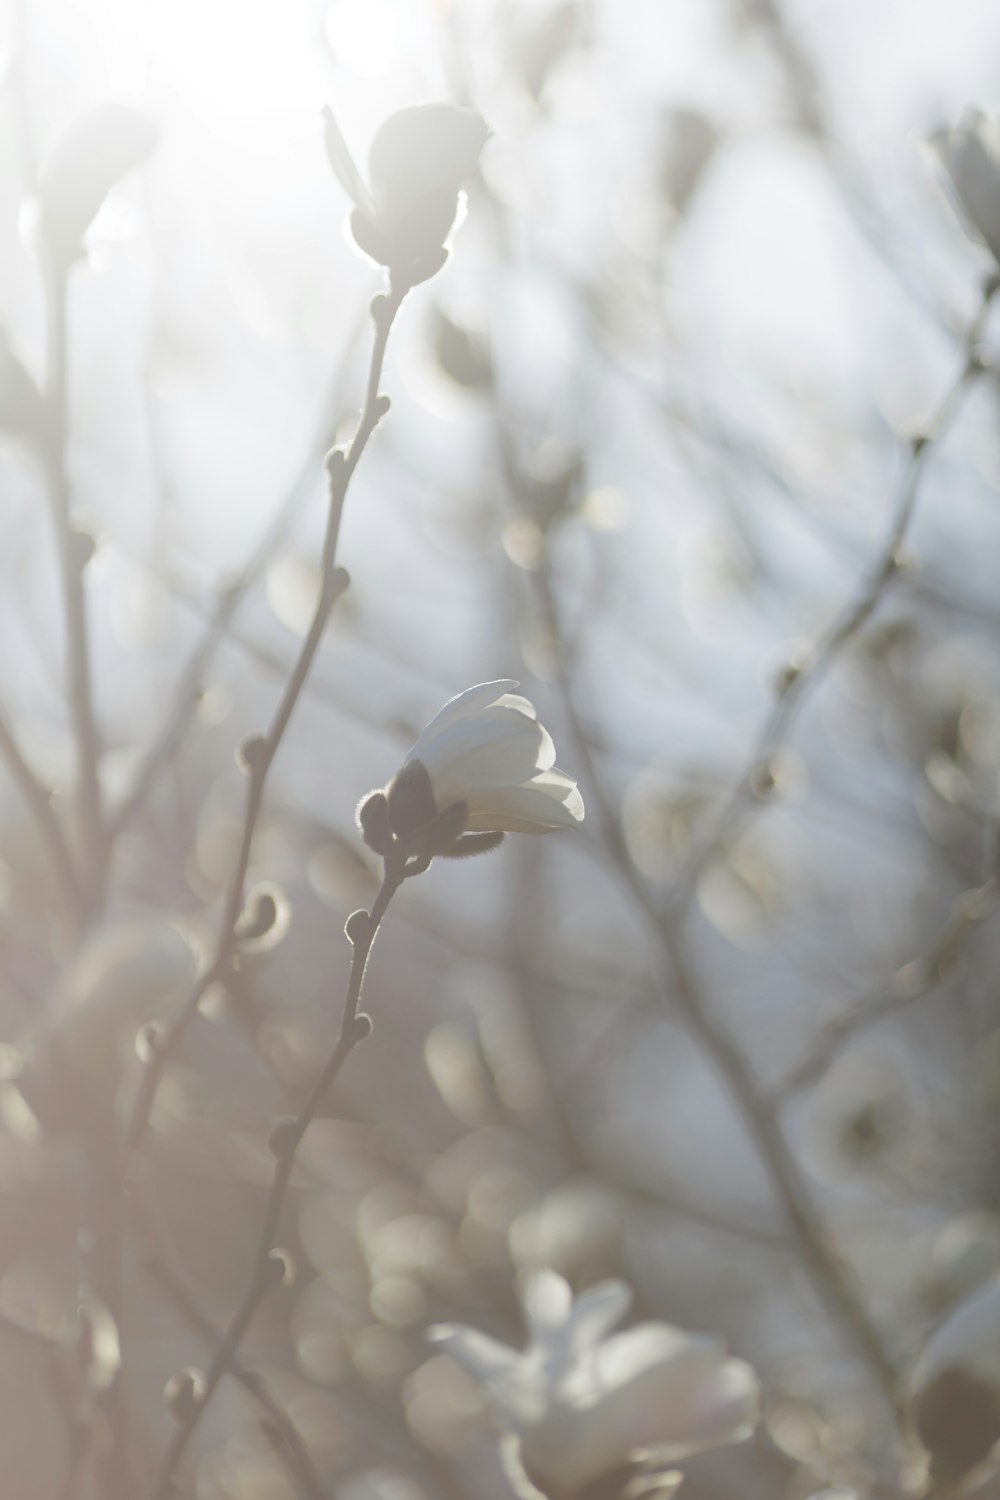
(73, 549)
(910, 983)
(681, 991)
(295, 1452)
(260, 751)
(269, 1265)
(166, 742)
(37, 800)
(800, 678)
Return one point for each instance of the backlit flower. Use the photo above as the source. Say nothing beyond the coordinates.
(417, 164)
(483, 767)
(583, 1406)
(970, 154)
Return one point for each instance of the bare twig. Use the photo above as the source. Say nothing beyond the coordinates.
(166, 742)
(261, 751)
(268, 1264)
(801, 678)
(37, 800)
(910, 983)
(72, 551)
(295, 1452)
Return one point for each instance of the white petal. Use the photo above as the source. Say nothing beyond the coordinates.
(499, 748)
(970, 155)
(661, 1390)
(550, 801)
(464, 704)
(547, 1300)
(597, 1311)
(484, 1358)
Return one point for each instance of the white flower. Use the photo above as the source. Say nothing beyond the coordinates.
(584, 1406)
(416, 166)
(484, 766)
(953, 1390)
(970, 154)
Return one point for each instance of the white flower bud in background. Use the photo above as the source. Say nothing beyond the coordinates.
(583, 1406)
(953, 1391)
(970, 155)
(483, 767)
(416, 166)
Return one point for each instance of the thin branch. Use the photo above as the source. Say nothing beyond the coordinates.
(167, 741)
(72, 556)
(296, 1454)
(267, 1265)
(910, 983)
(38, 801)
(801, 678)
(261, 751)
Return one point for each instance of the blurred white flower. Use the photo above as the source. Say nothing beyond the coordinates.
(583, 1406)
(484, 766)
(416, 166)
(970, 154)
(953, 1391)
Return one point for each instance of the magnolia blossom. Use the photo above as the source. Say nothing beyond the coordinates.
(416, 166)
(483, 767)
(970, 154)
(953, 1390)
(584, 1406)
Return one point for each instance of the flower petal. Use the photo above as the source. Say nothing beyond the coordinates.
(547, 1300)
(597, 1311)
(463, 705)
(497, 749)
(549, 801)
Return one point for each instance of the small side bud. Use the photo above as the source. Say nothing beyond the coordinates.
(83, 544)
(147, 1040)
(357, 928)
(380, 308)
(361, 1028)
(184, 1393)
(340, 582)
(763, 780)
(373, 821)
(335, 461)
(251, 756)
(283, 1139)
(786, 677)
(381, 407)
(280, 1268)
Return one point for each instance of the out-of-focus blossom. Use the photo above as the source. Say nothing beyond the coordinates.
(583, 1406)
(953, 1391)
(417, 164)
(87, 163)
(484, 766)
(970, 154)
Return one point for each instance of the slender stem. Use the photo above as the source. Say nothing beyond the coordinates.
(912, 982)
(165, 744)
(296, 1454)
(340, 468)
(72, 561)
(37, 800)
(803, 677)
(263, 1275)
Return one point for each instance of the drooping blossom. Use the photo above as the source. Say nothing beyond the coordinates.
(484, 766)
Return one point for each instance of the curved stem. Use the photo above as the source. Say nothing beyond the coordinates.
(263, 1275)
